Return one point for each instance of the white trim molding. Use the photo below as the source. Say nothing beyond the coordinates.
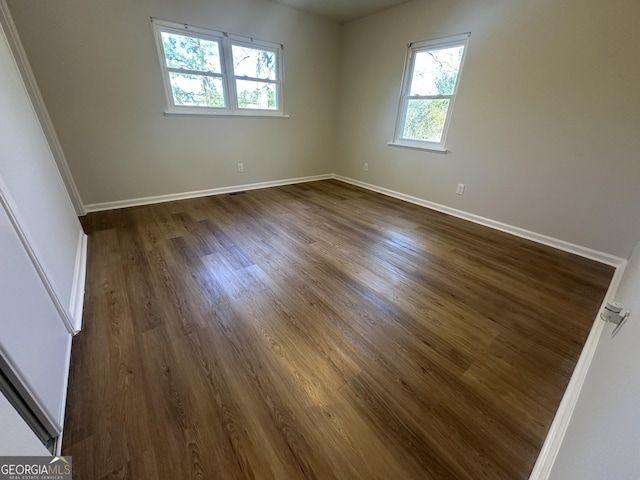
(442, 151)
(39, 106)
(585, 252)
(134, 202)
(580, 250)
(77, 288)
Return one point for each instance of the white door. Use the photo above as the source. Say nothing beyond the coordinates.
(33, 340)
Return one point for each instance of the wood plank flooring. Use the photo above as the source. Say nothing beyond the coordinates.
(319, 331)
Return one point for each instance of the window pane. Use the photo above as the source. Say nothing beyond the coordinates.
(435, 71)
(252, 62)
(196, 90)
(191, 53)
(258, 95)
(425, 119)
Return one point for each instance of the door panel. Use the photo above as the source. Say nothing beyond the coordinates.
(33, 340)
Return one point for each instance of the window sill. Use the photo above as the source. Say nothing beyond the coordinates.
(442, 151)
(209, 114)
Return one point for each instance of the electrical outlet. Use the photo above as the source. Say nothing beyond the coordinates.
(460, 189)
(240, 167)
(365, 167)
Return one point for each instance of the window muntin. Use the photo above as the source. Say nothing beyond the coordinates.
(209, 72)
(429, 85)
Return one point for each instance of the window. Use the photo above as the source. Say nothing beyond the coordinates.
(429, 86)
(215, 73)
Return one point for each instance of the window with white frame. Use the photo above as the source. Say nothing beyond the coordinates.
(429, 86)
(216, 73)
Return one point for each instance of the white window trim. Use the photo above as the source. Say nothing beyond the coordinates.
(413, 48)
(226, 41)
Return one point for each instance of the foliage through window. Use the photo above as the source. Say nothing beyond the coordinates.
(429, 86)
(210, 72)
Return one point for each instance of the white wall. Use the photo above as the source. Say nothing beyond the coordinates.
(97, 67)
(544, 130)
(604, 433)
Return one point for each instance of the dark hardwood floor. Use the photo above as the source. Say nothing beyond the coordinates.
(319, 331)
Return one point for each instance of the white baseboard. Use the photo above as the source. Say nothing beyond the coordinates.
(555, 436)
(134, 202)
(601, 257)
(76, 307)
(77, 289)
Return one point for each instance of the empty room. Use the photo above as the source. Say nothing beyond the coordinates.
(318, 239)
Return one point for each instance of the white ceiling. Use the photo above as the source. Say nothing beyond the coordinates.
(341, 10)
